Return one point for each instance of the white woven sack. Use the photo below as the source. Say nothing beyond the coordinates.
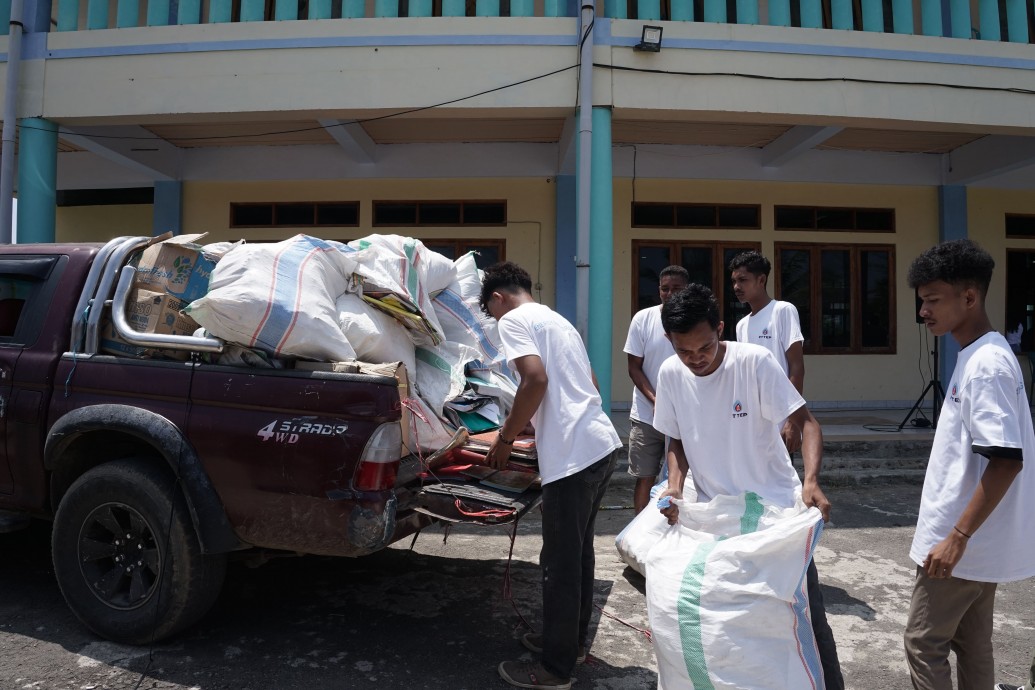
(461, 316)
(636, 540)
(280, 297)
(440, 373)
(373, 334)
(727, 599)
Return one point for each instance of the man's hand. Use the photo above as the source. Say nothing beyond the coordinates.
(498, 455)
(670, 511)
(945, 555)
(812, 495)
(791, 436)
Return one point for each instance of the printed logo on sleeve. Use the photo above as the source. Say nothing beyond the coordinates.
(954, 395)
(738, 410)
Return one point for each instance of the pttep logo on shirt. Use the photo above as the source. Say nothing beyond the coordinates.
(738, 410)
(954, 395)
(764, 335)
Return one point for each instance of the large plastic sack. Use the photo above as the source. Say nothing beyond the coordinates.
(425, 432)
(280, 298)
(440, 373)
(405, 267)
(374, 335)
(636, 540)
(460, 314)
(727, 599)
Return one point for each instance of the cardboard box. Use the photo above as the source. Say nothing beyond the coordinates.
(175, 266)
(150, 312)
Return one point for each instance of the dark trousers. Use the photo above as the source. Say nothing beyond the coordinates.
(821, 630)
(569, 513)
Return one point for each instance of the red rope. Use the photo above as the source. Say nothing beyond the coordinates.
(646, 633)
(491, 512)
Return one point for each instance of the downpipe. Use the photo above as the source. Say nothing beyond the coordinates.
(584, 173)
(10, 115)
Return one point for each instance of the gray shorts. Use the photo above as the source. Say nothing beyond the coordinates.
(646, 449)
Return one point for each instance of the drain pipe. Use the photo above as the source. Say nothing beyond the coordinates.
(10, 115)
(584, 169)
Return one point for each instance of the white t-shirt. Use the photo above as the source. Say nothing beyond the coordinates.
(647, 339)
(728, 423)
(775, 327)
(571, 429)
(986, 408)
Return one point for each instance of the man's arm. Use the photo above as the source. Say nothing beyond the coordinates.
(796, 373)
(995, 482)
(639, 378)
(804, 424)
(530, 393)
(677, 469)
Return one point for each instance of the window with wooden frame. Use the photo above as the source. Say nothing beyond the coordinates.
(1020, 294)
(295, 214)
(845, 295)
(649, 214)
(439, 213)
(1020, 225)
(834, 219)
(705, 261)
(488, 251)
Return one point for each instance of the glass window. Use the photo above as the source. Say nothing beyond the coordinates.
(835, 299)
(488, 253)
(1020, 294)
(834, 219)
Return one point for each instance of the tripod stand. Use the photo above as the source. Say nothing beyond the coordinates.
(933, 385)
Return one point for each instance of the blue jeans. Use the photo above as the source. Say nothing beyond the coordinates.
(569, 514)
(832, 678)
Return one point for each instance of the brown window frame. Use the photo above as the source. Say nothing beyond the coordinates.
(462, 246)
(419, 224)
(812, 345)
(316, 214)
(1014, 299)
(677, 205)
(854, 210)
(1006, 225)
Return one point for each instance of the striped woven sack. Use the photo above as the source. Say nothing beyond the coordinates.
(727, 600)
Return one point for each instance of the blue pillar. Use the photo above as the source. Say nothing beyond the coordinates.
(601, 254)
(565, 244)
(952, 225)
(37, 180)
(168, 208)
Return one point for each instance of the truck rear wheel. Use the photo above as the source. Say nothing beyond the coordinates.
(126, 556)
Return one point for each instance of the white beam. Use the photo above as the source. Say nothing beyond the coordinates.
(794, 142)
(354, 139)
(988, 157)
(130, 147)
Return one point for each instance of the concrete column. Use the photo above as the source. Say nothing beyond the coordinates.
(601, 254)
(37, 180)
(168, 208)
(564, 275)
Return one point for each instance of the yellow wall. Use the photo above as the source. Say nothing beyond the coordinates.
(986, 210)
(827, 377)
(101, 223)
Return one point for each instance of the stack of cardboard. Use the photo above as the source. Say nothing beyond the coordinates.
(171, 273)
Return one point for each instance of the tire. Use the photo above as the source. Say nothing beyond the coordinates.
(126, 555)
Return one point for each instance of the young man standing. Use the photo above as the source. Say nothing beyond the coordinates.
(772, 324)
(976, 520)
(577, 447)
(720, 403)
(647, 347)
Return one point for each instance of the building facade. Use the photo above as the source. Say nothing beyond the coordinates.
(839, 137)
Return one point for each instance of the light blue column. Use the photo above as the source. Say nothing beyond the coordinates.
(988, 15)
(522, 8)
(127, 13)
(841, 14)
(37, 180)
(68, 15)
(386, 8)
(902, 16)
(931, 17)
(601, 254)
(811, 14)
(97, 14)
(158, 12)
(649, 10)
(555, 8)
(873, 15)
(959, 12)
(319, 9)
(420, 8)
(188, 12)
(454, 8)
(747, 11)
(683, 10)
(565, 246)
(5, 17)
(715, 11)
(351, 9)
(487, 8)
(284, 10)
(168, 208)
(780, 12)
(1016, 21)
(952, 225)
(253, 10)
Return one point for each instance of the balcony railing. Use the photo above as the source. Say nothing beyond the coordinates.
(989, 20)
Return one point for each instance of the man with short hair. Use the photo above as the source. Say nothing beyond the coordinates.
(976, 520)
(773, 324)
(577, 448)
(720, 404)
(646, 348)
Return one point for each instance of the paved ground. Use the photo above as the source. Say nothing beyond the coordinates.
(437, 618)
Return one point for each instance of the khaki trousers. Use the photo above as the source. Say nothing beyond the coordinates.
(950, 614)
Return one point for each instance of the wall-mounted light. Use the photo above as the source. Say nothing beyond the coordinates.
(650, 39)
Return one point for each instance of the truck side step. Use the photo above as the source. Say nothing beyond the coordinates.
(12, 522)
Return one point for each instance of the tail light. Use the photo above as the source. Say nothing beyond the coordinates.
(380, 460)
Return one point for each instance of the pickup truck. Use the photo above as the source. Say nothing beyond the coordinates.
(156, 472)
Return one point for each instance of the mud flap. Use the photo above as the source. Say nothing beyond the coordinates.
(457, 501)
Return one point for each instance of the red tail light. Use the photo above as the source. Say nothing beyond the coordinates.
(379, 463)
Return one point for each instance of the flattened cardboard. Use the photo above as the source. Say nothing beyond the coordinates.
(174, 267)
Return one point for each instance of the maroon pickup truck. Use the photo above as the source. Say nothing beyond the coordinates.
(156, 472)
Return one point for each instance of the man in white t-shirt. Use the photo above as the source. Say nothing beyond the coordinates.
(577, 448)
(976, 517)
(772, 324)
(646, 348)
(720, 403)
